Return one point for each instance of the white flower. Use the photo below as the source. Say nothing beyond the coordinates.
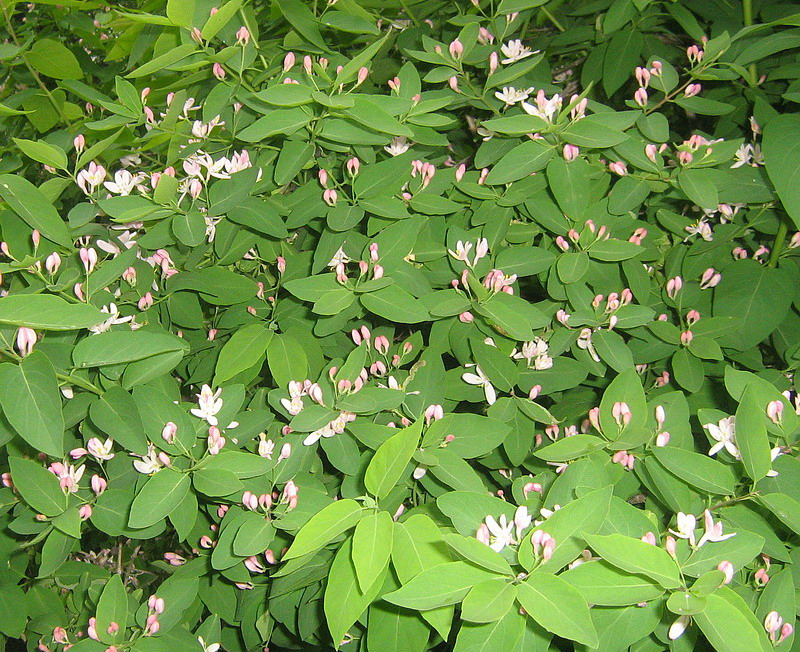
(100, 450)
(114, 318)
(211, 226)
(515, 51)
(510, 95)
(585, 342)
(149, 463)
(546, 513)
(713, 530)
(462, 251)
(124, 182)
(536, 351)
(725, 435)
(775, 453)
(130, 160)
(339, 258)
(480, 379)
(543, 108)
(678, 627)
(686, 524)
(314, 437)
(543, 362)
(265, 447)
(749, 155)
(398, 146)
(88, 179)
(210, 647)
(501, 534)
(209, 404)
(238, 162)
(522, 520)
(293, 406)
(701, 228)
(126, 238)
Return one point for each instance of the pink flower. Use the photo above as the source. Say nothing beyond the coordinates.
(218, 71)
(26, 338)
(571, 152)
(243, 36)
(288, 61)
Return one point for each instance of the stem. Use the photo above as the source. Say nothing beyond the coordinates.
(777, 245)
(553, 19)
(409, 13)
(747, 18)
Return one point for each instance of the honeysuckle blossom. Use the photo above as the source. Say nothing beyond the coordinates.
(522, 520)
(748, 154)
(89, 178)
(510, 95)
(585, 342)
(126, 239)
(335, 427)
(686, 524)
(265, 446)
(479, 378)
(101, 451)
(68, 476)
(209, 403)
(543, 108)
(114, 318)
(148, 464)
(501, 534)
(294, 404)
(701, 228)
(399, 145)
(515, 51)
(713, 531)
(124, 182)
(208, 647)
(725, 435)
(339, 258)
(678, 627)
(535, 353)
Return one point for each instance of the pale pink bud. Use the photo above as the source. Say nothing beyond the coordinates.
(197, 36)
(548, 548)
(786, 631)
(678, 627)
(377, 271)
(494, 63)
(456, 49)
(91, 630)
(562, 244)
(169, 431)
(353, 165)
(710, 278)
(195, 188)
(459, 172)
(243, 35)
(531, 487)
(642, 76)
(619, 168)
(775, 412)
(60, 636)
(363, 267)
(483, 535)
(99, 484)
(453, 83)
(686, 337)
(650, 538)
(692, 317)
(363, 72)
(671, 545)
(657, 69)
(288, 61)
(466, 317)
(621, 413)
(218, 71)
(322, 175)
(330, 197)
(662, 439)
(6, 480)
(534, 393)
(684, 157)
(692, 90)
(85, 512)
(761, 577)
(88, 257)
(407, 348)
(674, 286)
(26, 339)
(286, 451)
(727, 568)
(640, 97)
(652, 152)
(52, 263)
(571, 152)
(79, 143)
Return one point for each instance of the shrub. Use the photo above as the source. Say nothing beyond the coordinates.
(399, 326)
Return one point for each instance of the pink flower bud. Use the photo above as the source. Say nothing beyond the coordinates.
(85, 512)
(775, 412)
(640, 97)
(459, 172)
(727, 568)
(60, 636)
(218, 71)
(662, 439)
(381, 344)
(571, 152)
(197, 36)
(91, 630)
(453, 83)
(652, 152)
(692, 90)
(710, 279)
(52, 263)
(363, 72)
(169, 431)
(684, 157)
(288, 61)
(674, 286)
(534, 393)
(643, 76)
(456, 49)
(377, 272)
(650, 538)
(330, 197)
(322, 175)
(618, 168)
(466, 317)
(79, 143)
(761, 577)
(686, 337)
(494, 63)
(353, 165)
(243, 35)
(99, 484)
(671, 545)
(88, 257)
(26, 339)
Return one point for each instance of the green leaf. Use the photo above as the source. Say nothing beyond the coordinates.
(300, 17)
(242, 351)
(43, 152)
(372, 547)
(530, 156)
(572, 266)
(37, 486)
(390, 460)
(698, 470)
(293, 157)
(478, 553)
(280, 121)
(786, 508)
(751, 435)
(725, 627)
(47, 312)
(189, 228)
(286, 359)
(602, 584)
(218, 20)
(162, 493)
(112, 608)
(636, 556)
(515, 125)
(570, 448)
(593, 131)
(371, 115)
(699, 187)
(438, 586)
(395, 304)
(115, 347)
(32, 403)
(781, 146)
(13, 609)
(116, 413)
(181, 12)
(689, 371)
(33, 206)
(344, 601)
(164, 61)
(53, 59)
(324, 526)
(488, 601)
(254, 536)
(558, 607)
(613, 350)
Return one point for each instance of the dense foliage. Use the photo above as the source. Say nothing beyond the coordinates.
(399, 325)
